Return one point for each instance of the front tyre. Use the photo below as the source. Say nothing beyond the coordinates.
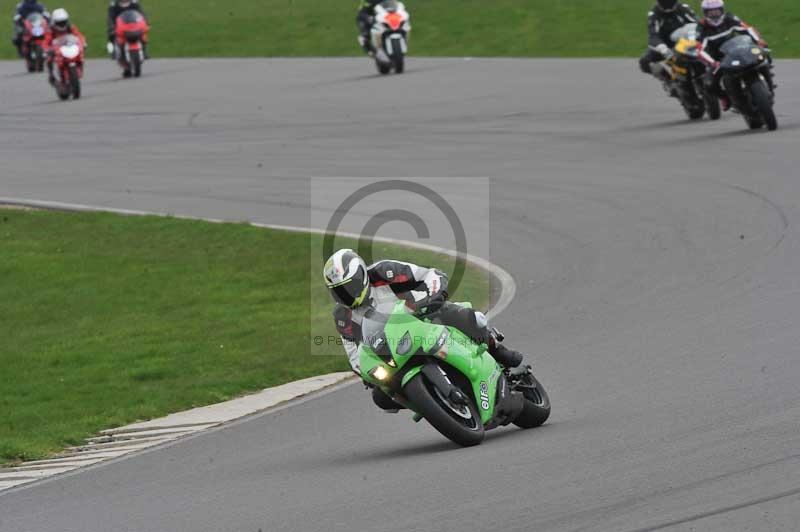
(38, 54)
(460, 424)
(763, 103)
(399, 63)
(74, 82)
(536, 409)
(712, 105)
(136, 64)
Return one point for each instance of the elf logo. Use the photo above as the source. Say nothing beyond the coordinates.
(484, 395)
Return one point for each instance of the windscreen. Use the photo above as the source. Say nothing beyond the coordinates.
(130, 16)
(739, 42)
(689, 32)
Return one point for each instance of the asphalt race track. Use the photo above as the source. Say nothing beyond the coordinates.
(658, 290)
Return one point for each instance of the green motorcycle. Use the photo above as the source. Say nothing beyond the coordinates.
(441, 375)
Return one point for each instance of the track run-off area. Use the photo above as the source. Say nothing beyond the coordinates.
(657, 265)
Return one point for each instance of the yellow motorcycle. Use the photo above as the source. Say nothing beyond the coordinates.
(684, 74)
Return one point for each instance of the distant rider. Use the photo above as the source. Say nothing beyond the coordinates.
(364, 20)
(25, 8)
(716, 27)
(359, 290)
(60, 25)
(116, 8)
(665, 17)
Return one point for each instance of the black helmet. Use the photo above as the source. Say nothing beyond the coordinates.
(346, 277)
(668, 5)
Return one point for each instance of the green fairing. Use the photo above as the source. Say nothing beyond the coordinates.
(470, 359)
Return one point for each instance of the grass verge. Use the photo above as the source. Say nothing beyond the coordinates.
(563, 28)
(110, 319)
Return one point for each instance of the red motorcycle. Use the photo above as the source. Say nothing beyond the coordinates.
(68, 58)
(131, 33)
(34, 31)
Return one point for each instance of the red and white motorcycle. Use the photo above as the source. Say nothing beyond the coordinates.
(390, 36)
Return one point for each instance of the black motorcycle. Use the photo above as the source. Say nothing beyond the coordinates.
(746, 73)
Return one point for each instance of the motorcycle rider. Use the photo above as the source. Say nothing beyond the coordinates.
(25, 8)
(665, 17)
(60, 25)
(364, 20)
(715, 28)
(359, 290)
(115, 9)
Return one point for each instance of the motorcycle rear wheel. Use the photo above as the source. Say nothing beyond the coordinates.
(461, 425)
(695, 113)
(383, 68)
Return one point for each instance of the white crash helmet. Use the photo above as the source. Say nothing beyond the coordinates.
(60, 19)
(346, 277)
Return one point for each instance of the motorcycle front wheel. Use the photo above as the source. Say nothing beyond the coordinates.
(399, 63)
(458, 423)
(536, 409)
(763, 103)
(136, 64)
(38, 53)
(74, 82)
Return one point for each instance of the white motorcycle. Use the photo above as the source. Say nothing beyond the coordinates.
(390, 36)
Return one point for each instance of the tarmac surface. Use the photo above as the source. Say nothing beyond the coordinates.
(657, 265)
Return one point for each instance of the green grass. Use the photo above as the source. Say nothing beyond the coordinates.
(562, 28)
(108, 319)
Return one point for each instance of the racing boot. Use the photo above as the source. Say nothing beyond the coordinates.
(508, 358)
(363, 41)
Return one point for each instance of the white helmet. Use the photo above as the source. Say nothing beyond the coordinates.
(346, 277)
(60, 19)
(714, 11)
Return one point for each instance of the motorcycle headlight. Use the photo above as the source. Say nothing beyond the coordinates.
(70, 51)
(379, 373)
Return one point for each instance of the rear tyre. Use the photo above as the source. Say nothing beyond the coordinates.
(383, 68)
(460, 424)
(63, 91)
(754, 122)
(695, 113)
(537, 406)
(74, 82)
(763, 103)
